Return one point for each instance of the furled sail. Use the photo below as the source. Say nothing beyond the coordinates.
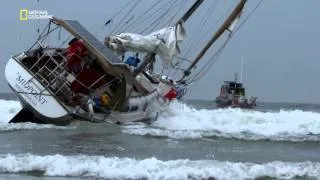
(228, 25)
(164, 42)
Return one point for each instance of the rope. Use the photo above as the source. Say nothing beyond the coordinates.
(124, 16)
(209, 31)
(123, 28)
(209, 64)
(133, 23)
(170, 19)
(111, 19)
(197, 39)
(246, 19)
(128, 15)
(182, 5)
(148, 17)
(158, 20)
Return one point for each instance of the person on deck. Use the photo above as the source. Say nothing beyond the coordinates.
(75, 54)
(133, 61)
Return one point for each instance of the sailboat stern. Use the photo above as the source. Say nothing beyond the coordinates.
(34, 97)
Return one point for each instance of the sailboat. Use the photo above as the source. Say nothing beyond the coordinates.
(84, 81)
(87, 79)
(165, 44)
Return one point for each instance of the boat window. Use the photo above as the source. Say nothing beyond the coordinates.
(241, 92)
(238, 85)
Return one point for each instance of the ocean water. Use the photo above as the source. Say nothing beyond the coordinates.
(192, 140)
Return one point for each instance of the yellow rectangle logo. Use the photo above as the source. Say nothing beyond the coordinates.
(24, 14)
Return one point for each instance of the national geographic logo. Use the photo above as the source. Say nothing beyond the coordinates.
(26, 14)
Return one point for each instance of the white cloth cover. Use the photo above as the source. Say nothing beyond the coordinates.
(163, 42)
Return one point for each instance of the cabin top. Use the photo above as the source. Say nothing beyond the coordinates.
(233, 84)
(76, 29)
(230, 86)
(105, 57)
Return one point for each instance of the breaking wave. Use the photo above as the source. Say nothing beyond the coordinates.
(182, 121)
(152, 168)
(8, 109)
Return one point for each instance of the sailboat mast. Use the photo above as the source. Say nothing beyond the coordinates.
(241, 70)
(192, 9)
(149, 57)
(227, 23)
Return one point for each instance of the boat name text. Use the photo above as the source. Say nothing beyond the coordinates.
(29, 91)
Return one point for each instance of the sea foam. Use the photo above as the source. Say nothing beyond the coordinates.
(8, 109)
(183, 121)
(152, 168)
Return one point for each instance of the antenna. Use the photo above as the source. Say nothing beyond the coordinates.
(241, 70)
(38, 22)
(235, 77)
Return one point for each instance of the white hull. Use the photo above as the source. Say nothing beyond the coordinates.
(34, 96)
(38, 100)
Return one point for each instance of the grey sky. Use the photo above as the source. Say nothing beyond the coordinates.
(279, 43)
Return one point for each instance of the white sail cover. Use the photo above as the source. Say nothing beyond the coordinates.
(163, 42)
(234, 22)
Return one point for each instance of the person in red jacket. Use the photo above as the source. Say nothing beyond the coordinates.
(75, 53)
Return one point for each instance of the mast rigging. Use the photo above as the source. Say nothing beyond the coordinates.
(228, 24)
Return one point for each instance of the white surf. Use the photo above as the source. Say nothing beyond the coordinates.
(182, 121)
(152, 168)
